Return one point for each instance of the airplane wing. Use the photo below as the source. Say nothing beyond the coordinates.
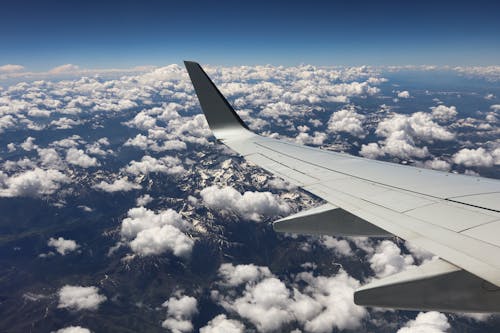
(456, 217)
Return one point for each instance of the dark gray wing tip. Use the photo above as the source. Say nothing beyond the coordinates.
(219, 113)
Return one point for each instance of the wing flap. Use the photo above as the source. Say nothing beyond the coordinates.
(436, 285)
(328, 220)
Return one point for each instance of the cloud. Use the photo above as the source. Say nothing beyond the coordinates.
(80, 298)
(180, 311)
(474, 157)
(316, 303)
(280, 184)
(49, 158)
(64, 69)
(32, 183)
(388, 260)
(495, 107)
(402, 135)
(73, 329)
(240, 274)
(78, 157)
(169, 165)
(249, 205)
(419, 253)
(444, 113)
(347, 120)
(437, 164)
(419, 125)
(63, 246)
(139, 141)
(142, 121)
(427, 322)
(339, 246)
(371, 150)
(144, 200)
(158, 240)
(403, 94)
(65, 123)
(221, 324)
(334, 294)
(9, 68)
(29, 144)
(490, 73)
(6, 122)
(150, 233)
(119, 185)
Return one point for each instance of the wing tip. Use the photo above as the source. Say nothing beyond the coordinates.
(218, 112)
(190, 62)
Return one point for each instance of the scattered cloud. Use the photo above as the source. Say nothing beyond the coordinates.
(79, 158)
(222, 324)
(428, 322)
(339, 246)
(9, 68)
(403, 94)
(63, 69)
(495, 107)
(317, 303)
(73, 329)
(119, 185)
(444, 113)
(249, 205)
(477, 157)
(404, 134)
(388, 259)
(347, 120)
(29, 144)
(169, 165)
(150, 233)
(63, 246)
(180, 311)
(437, 164)
(32, 183)
(144, 200)
(80, 298)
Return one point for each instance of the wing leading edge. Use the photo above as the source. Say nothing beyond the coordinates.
(456, 217)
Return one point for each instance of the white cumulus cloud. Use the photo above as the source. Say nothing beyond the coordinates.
(347, 120)
(73, 329)
(180, 311)
(119, 185)
(404, 94)
(427, 322)
(388, 259)
(78, 157)
(474, 157)
(222, 324)
(32, 183)
(150, 233)
(315, 303)
(444, 113)
(249, 205)
(80, 298)
(63, 246)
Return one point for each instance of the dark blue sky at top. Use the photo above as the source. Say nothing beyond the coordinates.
(93, 34)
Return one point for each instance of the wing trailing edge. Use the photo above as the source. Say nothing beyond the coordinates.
(328, 220)
(435, 285)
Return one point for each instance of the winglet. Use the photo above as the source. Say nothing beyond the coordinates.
(220, 115)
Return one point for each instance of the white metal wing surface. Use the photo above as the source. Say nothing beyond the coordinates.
(456, 217)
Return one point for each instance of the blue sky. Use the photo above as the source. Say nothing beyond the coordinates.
(93, 34)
